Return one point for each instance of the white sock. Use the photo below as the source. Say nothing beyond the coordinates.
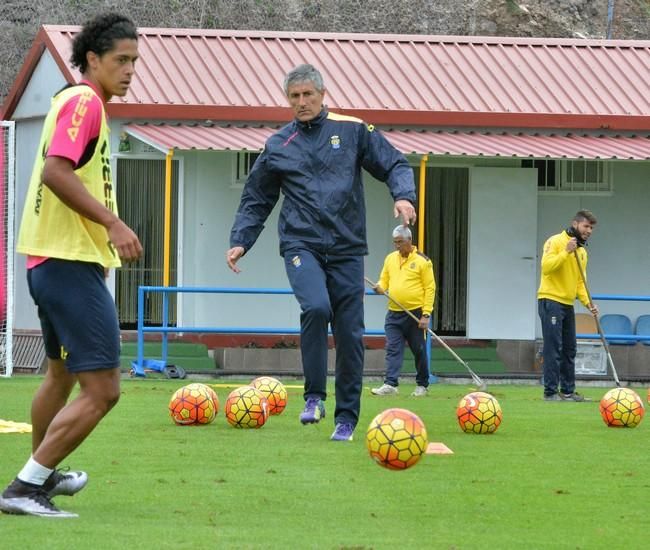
(34, 473)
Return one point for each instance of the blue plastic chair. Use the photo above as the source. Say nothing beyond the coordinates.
(616, 323)
(642, 328)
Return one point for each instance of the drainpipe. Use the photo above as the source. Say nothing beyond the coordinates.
(421, 202)
(421, 223)
(168, 215)
(610, 17)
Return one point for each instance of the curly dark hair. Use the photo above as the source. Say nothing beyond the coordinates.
(98, 35)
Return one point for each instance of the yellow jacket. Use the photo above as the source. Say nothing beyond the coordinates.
(560, 280)
(49, 227)
(409, 280)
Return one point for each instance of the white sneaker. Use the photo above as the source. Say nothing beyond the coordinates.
(420, 391)
(386, 389)
(62, 482)
(24, 499)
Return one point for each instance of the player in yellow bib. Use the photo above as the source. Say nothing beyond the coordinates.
(71, 234)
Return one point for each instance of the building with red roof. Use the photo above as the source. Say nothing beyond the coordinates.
(508, 138)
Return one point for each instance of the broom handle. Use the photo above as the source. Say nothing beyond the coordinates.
(475, 376)
(600, 328)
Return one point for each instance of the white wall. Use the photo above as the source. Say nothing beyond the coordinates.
(28, 135)
(210, 205)
(29, 114)
(501, 298)
(619, 248)
(380, 225)
(43, 84)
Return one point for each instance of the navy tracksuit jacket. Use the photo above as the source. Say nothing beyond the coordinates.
(317, 166)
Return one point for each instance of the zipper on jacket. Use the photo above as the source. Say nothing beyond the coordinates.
(311, 140)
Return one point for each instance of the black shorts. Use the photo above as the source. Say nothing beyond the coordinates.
(77, 313)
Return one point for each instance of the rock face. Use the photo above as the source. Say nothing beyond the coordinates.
(20, 19)
(567, 18)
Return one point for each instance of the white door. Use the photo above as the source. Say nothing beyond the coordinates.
(501, 293)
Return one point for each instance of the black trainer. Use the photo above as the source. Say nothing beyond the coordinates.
(552, 397)
(63, 482)
(574, 396)
(26, 499)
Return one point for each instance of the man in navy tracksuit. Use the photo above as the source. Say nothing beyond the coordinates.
(315, 162)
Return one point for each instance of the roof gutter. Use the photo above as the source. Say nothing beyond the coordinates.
(385, 117)
(422, 200)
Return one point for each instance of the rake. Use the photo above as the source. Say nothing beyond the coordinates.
(482, 386)
(600, 328)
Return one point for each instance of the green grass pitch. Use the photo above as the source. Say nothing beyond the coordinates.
(552, 476)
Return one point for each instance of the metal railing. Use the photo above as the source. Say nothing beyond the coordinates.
(609, 336)
(165, 329)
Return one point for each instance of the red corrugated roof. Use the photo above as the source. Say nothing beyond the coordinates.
(436, 143)
(218, 138)
(386, 79)
(504, 144)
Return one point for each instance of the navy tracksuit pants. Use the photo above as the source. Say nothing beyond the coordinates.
(330, 290)
(559, 352)
(399, 326)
